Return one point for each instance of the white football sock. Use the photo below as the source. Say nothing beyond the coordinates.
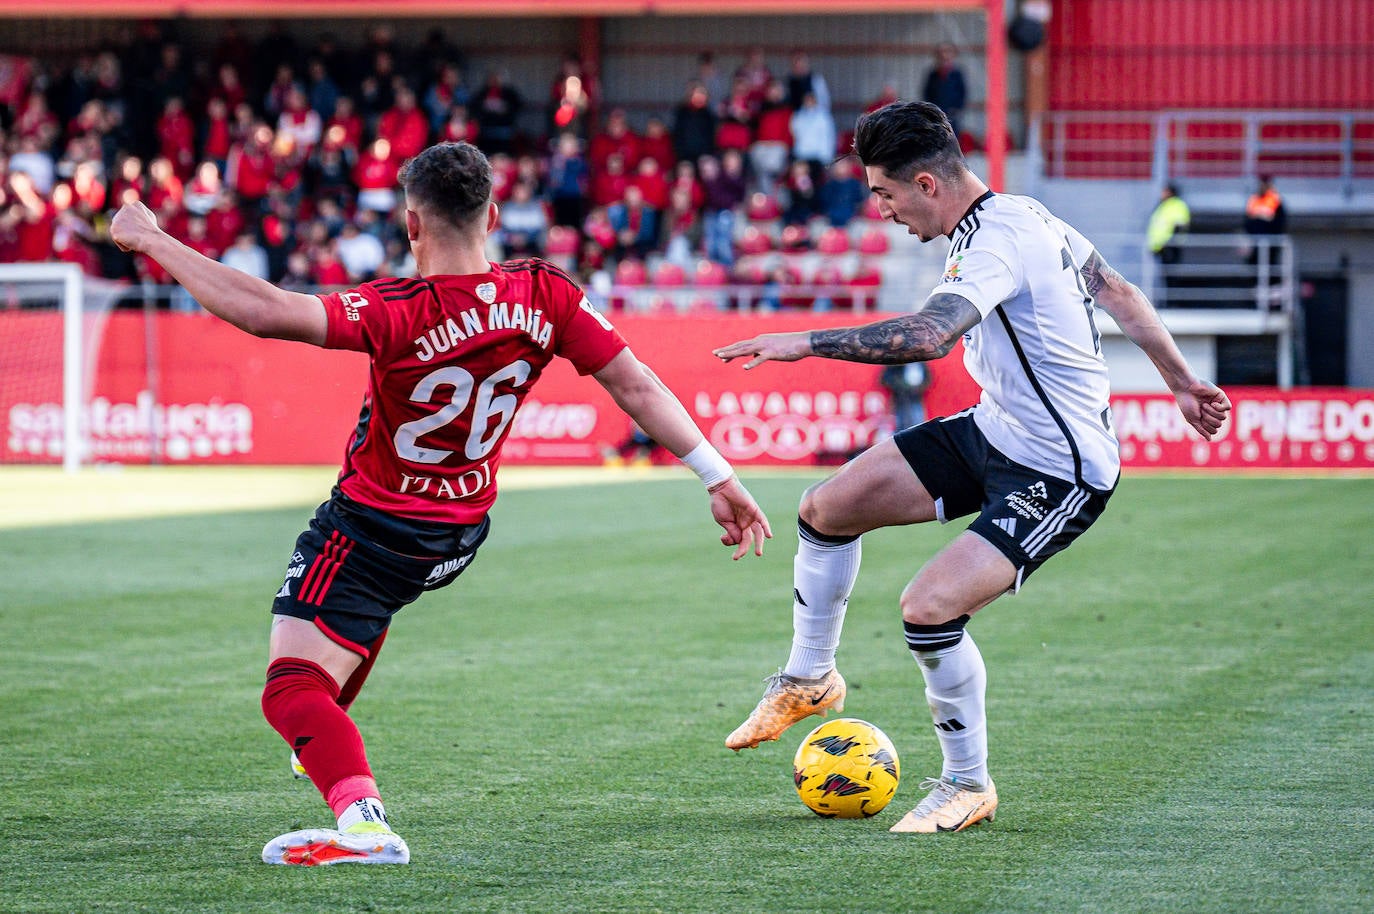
(823, 576)
(956, 682)
(368, 809)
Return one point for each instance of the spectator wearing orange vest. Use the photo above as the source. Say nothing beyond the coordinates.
(1264, 213)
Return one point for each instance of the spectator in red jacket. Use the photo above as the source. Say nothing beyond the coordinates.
(608, 186)
(685, 177)
(375, 176)
(73, 231)
(404, 126)
(328, 269)
(251, 168)
(651, 183)
(88, 188)
(216, 136)
(616, 139)
(735, 130)
(32, 219)
(36, 121)
(772, 144)
(129, 185)
(164, 186)
(228, 88)
(225, 222)
(300, 122)
(203, 191)
(460, 127)
(176, 137)
(657, 144)
(348, 120)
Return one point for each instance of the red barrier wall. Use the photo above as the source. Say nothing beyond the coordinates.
(225, 397)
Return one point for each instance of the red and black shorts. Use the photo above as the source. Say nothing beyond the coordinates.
(1028, 515)
(354, 568)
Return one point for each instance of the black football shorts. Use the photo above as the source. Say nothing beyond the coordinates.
(354, 568)
(1028, 515)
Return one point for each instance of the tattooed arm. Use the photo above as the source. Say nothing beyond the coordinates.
(1203, 404)
(928, 334)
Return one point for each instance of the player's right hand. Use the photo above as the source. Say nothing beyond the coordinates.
(133, 226)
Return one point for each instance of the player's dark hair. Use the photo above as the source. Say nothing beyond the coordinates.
(906, 137)
(452, 180)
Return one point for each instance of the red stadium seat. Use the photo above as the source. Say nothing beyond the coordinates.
(710, 273)
(669, 274)
(874, 241)
(870, 209)
(795, 238)
(833, 241)
(762, 208)
(754, 240)
(630, 272)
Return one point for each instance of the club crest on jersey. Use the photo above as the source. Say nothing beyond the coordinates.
(352, 301)
(952, 271)
(486, 292)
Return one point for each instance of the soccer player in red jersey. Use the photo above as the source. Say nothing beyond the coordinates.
(454, 352)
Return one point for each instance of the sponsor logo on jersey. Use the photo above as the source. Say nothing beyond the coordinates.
(352, 301)
(486, 292)
(952, 270)
(470, 482)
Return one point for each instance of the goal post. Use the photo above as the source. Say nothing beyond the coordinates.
(46, 351)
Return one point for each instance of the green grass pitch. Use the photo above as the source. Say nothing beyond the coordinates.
(1180, 712)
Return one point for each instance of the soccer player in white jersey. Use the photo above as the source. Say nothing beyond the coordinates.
(1035, 461)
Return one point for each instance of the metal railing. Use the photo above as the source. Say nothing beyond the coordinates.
(1336, 146)
(1230, 271)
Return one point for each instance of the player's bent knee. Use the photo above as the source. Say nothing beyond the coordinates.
(826, 513)
(926, 608)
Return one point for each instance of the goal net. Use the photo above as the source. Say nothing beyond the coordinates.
(51, 323)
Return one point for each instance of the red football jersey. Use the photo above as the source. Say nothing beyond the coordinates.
(453, 357)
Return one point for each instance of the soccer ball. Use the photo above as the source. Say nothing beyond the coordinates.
(846, 769)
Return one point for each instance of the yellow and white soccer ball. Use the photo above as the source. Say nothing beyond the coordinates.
(846, 769)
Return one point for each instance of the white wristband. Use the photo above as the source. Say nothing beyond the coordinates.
(707, 463)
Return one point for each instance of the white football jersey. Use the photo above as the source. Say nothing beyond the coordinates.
(1037, 353)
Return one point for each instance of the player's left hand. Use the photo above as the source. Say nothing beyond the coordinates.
(740, 516)
(1205, 406)
(133, 226)
(778, 347)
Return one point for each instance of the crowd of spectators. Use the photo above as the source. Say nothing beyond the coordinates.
(282, 160)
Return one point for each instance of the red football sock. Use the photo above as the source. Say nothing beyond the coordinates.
(300, 701)
(349, 693)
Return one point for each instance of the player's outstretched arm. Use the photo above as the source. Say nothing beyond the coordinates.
(251, 304)
(1203, 404)
(927, 334)
(645, 399)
